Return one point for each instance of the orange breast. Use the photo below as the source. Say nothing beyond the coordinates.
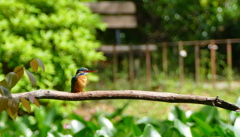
(80, 83)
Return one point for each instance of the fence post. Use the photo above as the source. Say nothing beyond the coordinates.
(197, 63)
(213, 63)
(181, 63)
(164, 58)
(229, 62)
(115, 65)
(131, 66)
(148, 67)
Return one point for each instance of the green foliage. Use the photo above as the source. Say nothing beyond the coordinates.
(189, 20)
(164, 20)
(47, 122)
(61, 33)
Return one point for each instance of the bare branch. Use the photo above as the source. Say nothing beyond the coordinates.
(129, 94)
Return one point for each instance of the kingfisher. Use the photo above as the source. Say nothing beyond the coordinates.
(79, 81)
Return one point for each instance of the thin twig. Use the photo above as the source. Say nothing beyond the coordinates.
(129, 94)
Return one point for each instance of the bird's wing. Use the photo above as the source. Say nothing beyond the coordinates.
(73, 81)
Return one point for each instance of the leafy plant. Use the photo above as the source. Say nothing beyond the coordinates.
(7, 102)
(49, 121)
(61, 33)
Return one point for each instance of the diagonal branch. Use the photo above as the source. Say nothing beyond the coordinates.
(129, 94)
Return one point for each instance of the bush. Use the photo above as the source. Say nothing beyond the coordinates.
(60, 33)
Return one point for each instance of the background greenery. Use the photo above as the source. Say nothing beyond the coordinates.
(60, 33)
(204, 122)
(174, 20)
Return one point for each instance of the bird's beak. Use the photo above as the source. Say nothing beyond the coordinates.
(89, 71)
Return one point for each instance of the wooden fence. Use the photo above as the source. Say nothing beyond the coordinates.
(148, 48)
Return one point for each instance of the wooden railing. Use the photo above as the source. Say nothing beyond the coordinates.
(148, 48)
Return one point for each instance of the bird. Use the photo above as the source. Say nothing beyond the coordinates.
(79, 81)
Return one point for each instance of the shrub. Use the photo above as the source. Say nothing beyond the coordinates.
(60, 33)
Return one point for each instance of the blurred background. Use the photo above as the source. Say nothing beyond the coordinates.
(185, 47)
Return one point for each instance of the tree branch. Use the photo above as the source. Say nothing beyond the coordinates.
(129, 94)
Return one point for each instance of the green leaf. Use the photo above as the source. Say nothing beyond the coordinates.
(11, 80)
(76, 126)
(220, 130)
(172, 132)
(19, 72)
(34, 65)
(24, 129)
(104, 122)
(52, 133)
(184, 129)
(78, 118)
(127, 125)
(196, 132)
(40, 64)
(203, 125)
(118, 111)
(5, 92)
(40, 116)
(147, 120)
(210, 112)
(177, 113)
(43, 121)
(136, 130)
(226, 126)
(150, 131)
(31, 78)
(237, 127)
(4, 118)
(49, 117)
(107, 127)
